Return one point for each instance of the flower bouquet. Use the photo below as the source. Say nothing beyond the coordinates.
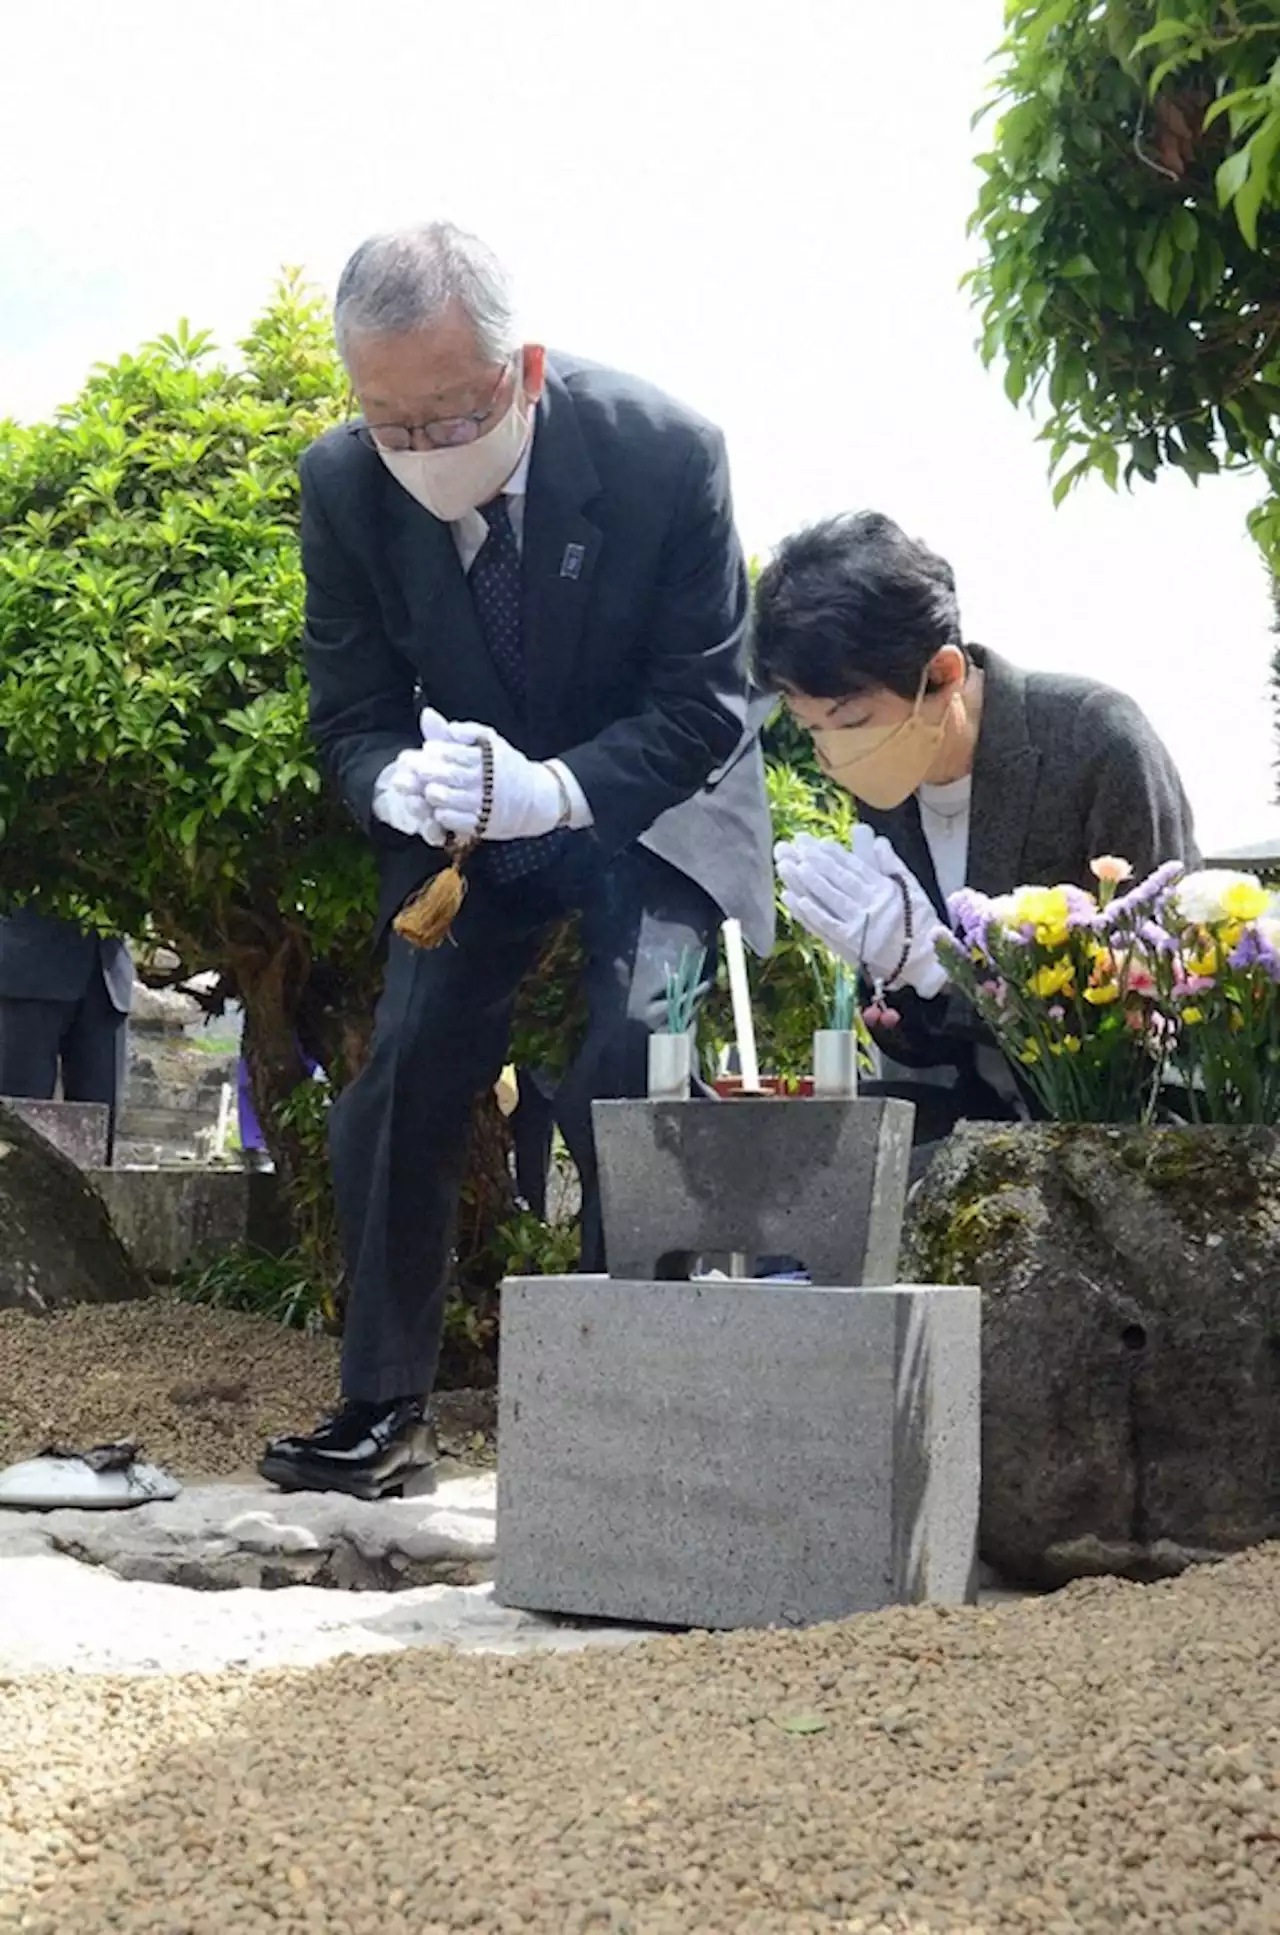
(1111, 1004)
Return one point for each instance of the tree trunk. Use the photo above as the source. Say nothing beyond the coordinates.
(273, 986)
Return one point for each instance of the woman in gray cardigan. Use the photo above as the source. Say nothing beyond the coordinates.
(967, 773)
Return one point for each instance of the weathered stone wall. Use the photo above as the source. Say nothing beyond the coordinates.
(1131, 1338)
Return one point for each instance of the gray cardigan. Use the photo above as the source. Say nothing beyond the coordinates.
(1066, 770)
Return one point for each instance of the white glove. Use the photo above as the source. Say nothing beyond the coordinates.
(847, 898)
(399, 798)
(528, 800)
(399, 792)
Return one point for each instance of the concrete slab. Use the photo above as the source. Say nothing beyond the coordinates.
(149, 1591)
(60, 1614)
(216, 1536)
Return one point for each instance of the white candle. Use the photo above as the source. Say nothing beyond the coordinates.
(744, 1026)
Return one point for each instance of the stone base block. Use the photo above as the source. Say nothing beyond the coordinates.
(735, 1453)
(823, 1182)
(80, 1130)
(167, 1218)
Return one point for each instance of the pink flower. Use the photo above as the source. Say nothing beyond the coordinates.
(1195, 984)
(1110, 868)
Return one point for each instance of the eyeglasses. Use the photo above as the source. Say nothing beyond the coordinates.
(440, 434)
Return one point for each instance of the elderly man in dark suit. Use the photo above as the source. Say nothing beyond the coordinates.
(531, 551)
(65, 997)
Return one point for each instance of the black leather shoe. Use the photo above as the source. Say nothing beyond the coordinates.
(367, 1450)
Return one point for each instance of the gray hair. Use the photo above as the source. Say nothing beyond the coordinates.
(408, 279)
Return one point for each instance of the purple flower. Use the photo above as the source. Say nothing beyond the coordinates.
(1253, 949)
(970, 914)
(1082, 909)
(1157, 938)
(1147, 892)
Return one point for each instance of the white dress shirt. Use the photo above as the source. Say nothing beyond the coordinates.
(944, 818)
(470, 532)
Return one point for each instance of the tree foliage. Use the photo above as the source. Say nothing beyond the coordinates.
(1130, 232)
(155, 766)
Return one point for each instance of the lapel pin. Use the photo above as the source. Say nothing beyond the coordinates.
(571, 562)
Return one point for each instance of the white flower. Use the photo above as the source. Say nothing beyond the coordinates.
(1199, 897)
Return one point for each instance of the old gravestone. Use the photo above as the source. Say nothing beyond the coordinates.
(57, 1245)
(1130, 1338)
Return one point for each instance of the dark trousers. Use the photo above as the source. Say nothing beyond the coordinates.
(399, 1132)
(87, 1040)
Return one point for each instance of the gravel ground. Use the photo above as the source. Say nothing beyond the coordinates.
(1105, 1759)
(200, 1389)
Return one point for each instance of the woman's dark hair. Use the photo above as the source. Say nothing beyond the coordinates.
(849, 605)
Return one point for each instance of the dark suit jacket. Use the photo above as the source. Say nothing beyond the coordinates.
(634, 606)
(42, 959)
(1066, 770)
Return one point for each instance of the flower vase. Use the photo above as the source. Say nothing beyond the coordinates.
(670, 1067)
(835, 1063)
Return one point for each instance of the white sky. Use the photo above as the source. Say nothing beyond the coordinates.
(764, 212)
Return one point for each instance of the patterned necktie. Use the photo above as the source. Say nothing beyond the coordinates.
(495, 591)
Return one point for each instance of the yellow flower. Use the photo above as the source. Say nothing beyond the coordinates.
(1057, 978)
(1245, 900)
(1045, 909)
(1102, 997)
(1191, 1016)
(1205, 964)
(1030, 1053)
(1072, 1044)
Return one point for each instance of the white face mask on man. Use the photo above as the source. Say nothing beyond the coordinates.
(459, 478)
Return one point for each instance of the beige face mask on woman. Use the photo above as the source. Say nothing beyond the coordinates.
(453, 481)
(882, 765)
